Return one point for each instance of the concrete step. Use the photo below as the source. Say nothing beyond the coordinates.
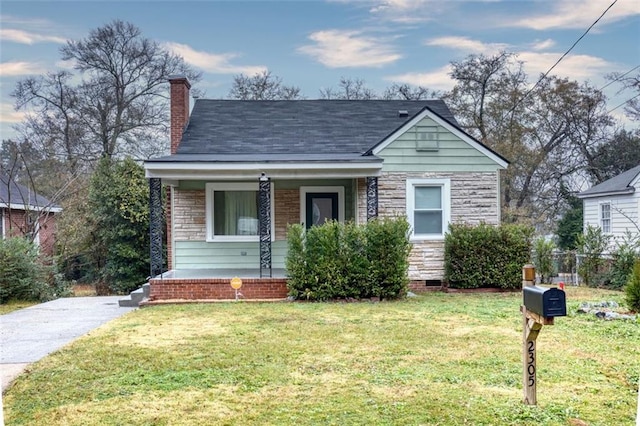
(136, 296)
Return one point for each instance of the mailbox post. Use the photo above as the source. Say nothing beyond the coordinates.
(540, 306)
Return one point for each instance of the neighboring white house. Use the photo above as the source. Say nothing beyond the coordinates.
(614, 205)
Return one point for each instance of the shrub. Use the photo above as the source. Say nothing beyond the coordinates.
(632, 289)
(624, 256)
(388, 249)
(543, 258)
(22, 275)
(345, 260)
(119, 203)
(486, 255)
(591, 245)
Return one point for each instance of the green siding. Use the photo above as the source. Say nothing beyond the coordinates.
(225, 255)
(454, 155)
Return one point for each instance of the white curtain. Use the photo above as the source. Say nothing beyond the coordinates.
(240, 213)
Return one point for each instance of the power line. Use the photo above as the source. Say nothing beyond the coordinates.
(563, 56)
(619, 77)
(625, 102)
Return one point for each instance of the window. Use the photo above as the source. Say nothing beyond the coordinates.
(428, 207)
(232, 211)
(605, 217)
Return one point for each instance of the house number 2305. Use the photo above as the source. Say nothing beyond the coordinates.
(531, 363)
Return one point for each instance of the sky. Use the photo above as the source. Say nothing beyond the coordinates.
(312, 44)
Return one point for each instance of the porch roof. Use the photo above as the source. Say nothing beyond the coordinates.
(252, 165)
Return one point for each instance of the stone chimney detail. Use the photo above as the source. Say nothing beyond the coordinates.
(179, 96)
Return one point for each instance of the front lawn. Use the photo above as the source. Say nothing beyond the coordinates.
(444, 359)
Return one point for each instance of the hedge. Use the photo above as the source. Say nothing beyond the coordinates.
(345, 260)
(486, 255)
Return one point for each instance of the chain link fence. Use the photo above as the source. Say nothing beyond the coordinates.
(566, 267)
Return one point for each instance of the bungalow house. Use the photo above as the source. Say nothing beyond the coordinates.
(25, 213)
(241, 171)
(614, 206)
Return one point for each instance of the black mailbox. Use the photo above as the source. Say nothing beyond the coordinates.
(546, 302)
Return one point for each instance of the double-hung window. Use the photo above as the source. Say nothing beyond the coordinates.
(605, 217)
(428, 208)
(232, 211)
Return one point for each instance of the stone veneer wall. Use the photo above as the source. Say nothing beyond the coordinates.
(189, 213)
(362, 200)
(474, 199)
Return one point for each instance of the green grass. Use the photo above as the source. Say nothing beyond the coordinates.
(14, 305)
(440, 359)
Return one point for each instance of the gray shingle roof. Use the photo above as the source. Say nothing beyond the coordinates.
(232, 127)
(16, 194)
(266, 158)
(620, 184)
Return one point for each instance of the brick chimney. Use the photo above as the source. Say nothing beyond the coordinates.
(179, 109)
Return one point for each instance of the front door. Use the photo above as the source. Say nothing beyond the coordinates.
(320, 207)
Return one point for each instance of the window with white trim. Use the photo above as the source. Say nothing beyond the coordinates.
(428, 208)
(232, 211)
(605, 217)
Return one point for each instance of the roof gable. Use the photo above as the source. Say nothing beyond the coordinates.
(223, 127)
(621, 184)
(449, 126)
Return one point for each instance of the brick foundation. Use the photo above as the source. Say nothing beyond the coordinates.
(421, 286)
(216, 289)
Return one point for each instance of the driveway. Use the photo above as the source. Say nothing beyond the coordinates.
(29, 334)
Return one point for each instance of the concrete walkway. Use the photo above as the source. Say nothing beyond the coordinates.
(29, 334)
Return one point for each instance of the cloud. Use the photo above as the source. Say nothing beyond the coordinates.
(9, 115)
(26, 37)
(211, 62)
(434, 80)
(406, 11)
(576, 67)
(577, 14)
(66, 65)
(349, 49)
(466, 44)
(543, 44)
(19, 68)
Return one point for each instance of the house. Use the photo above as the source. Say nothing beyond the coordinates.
(25, 213)
(241, 171)
(614, 206)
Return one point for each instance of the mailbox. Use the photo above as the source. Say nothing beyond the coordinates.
(546, 302)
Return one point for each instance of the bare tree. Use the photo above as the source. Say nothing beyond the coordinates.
(349, 89)
(632, 84)
(410, 93)
(53, 123)
(122, 93)
(262, 86)
(124, 82)
(621, 152)
(549, 135)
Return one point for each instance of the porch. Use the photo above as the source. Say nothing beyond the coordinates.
(215, 284)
